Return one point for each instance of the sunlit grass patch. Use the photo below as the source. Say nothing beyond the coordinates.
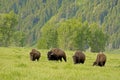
(21, 65)
(15, 64)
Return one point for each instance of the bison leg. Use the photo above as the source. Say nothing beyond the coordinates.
(64, 57)
(37, 59)
(32, 58)
(76, 60)
(82, 61)
(60, 59)
(100, 64)
(104, 63)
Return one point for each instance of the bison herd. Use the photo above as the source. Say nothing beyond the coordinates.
(57, 54)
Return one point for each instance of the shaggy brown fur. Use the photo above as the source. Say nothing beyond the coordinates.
(100, 60)
(56, 54)
(34, 54)
(78, 57)
(51, 57)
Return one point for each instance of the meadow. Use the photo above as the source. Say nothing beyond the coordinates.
(15, 64)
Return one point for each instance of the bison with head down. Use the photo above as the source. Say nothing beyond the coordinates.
(56, 54)
(79, 57)
(34, 54)
(100, 60)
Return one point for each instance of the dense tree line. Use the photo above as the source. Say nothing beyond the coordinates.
(73, 34)
(34, 15)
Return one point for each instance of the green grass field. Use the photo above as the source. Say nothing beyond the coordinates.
(15, 64)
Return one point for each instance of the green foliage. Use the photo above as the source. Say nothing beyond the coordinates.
(49, 37)
(81, 37)
(17, 66)
(19, 39)
(97, 38)
(72, 34)
(103, 13)
(7, 27)
(66, 32)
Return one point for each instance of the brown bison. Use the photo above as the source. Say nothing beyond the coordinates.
(78, 57)
(50, 56)
(100, 60)
(34, 54)
(56, 54)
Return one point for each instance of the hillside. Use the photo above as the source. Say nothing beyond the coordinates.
(33, 15)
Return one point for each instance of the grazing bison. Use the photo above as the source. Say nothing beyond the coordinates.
(78, 57)
(51, 56)
(34, 54)
(100, 60)
(56, 54)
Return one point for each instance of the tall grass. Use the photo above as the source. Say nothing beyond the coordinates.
(16, 65)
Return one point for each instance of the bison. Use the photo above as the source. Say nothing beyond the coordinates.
(78, 57)
(100, 60)
(51, 56)
(34, 54)
(56, 54)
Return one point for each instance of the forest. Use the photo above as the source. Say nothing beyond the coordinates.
(67, 24)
